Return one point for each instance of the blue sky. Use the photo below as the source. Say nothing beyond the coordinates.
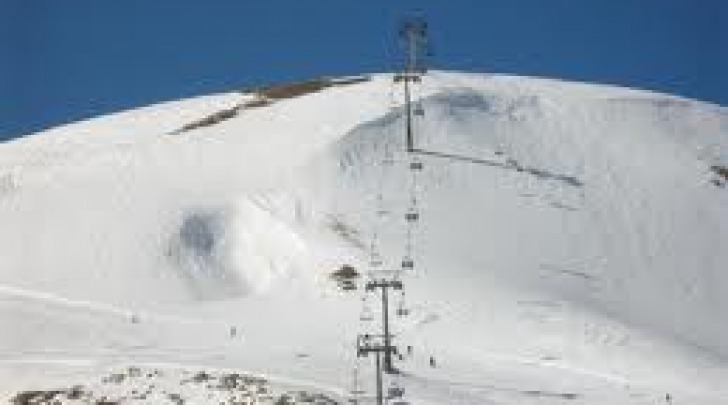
(61, 61)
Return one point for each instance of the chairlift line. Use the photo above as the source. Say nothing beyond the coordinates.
(414, 33)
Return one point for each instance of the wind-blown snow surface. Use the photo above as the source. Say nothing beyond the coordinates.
(577, 255)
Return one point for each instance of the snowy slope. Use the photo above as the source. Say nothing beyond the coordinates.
(575, 254)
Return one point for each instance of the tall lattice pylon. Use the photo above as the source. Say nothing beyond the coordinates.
(413, 33)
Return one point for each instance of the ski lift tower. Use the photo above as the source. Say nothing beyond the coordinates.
(377, 345)
(388, 349)
(366, 344)
(413, 33)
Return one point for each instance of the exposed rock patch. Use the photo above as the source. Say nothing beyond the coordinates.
(161, 386)
(265, 96)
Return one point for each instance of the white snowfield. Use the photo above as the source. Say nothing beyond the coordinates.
(576, 253)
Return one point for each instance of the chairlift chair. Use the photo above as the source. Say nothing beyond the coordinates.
(375, 260)
(408, 263)
(395, 392)
(415, 165)
(418, 110)
(402, 311)
(366, 314)
(412, 215)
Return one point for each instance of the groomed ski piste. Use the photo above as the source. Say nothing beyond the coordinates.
(184, 251)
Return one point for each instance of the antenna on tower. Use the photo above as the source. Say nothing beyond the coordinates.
(413, 32)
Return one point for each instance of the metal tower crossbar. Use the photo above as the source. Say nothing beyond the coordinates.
(385, 286)
(376, 344)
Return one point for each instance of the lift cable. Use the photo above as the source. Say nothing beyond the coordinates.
(382, 210)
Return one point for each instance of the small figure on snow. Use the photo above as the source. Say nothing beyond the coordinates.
(432, 362)
(233, 331)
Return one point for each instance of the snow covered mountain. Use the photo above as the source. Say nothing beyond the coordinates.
(571, 246)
